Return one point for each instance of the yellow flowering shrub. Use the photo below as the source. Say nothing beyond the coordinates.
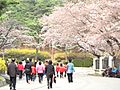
(26, 53)
(2, 65)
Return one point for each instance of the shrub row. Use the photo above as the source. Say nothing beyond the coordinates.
(62, 55)
(23, 54)
(84, 62)
(81, 59)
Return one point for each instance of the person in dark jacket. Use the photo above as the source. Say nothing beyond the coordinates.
(12, 71)
(31, 63)
(50, 71)
(28, 71)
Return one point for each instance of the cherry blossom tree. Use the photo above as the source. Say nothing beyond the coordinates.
(93, 27)
(12, 35)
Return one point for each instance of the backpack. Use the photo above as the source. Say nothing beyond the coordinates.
(27, 69)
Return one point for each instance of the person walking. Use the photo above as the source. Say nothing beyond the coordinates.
(62, 70)
(12, 72)
(65, 66)
(50, 71)
(28, 72)
(20, 69)
(70, 70)
(57, 69)
(30, 63)
(40, 71)
(33, 72)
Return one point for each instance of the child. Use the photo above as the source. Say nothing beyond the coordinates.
(62, 70)
(20, 69)
(57, 69)
(65, 66)
(33, 72)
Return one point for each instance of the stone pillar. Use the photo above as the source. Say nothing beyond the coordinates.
(101, 64)
(111, 62)
(94, 63)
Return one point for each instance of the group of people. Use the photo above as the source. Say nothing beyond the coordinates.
(30, 70)
(61, 70)
(111, 72)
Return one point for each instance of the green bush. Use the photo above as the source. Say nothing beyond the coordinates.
(85, 62)
(81, 59)
(62, 55)
(23, 54)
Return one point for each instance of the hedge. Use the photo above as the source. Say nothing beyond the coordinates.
(62, 55)
(23, 54)
(85, 62)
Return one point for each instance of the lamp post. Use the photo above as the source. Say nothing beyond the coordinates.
(3, 54)
(37, 48)
(52, 51)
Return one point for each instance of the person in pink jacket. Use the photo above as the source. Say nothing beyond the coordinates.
(40, 70)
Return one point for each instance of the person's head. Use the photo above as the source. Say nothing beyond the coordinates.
(66, 63)
(57, 64)
(39, 63)
(30, 60)
(27, 61)
(20, 62)
(13, 60)
(50, 62)
(70, 60)
(61, 65)
(46, 62)
(33, 64)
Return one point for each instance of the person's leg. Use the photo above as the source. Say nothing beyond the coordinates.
(65, 74)
(33, 77)
(20, 76)
(14, 83)
(48, 81)
(51, 80)
(60, 75)
(27, 78)
(57, 74)
(30, 77)
(39, 77)
(71, 76)
(68, 77)
(10, 83)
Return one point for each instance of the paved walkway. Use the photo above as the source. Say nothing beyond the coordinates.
(82, 81)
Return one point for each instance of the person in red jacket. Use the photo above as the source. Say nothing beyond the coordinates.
(57, 69)
(33, 72)
(62, 70)
(20, 69)
(65, 66)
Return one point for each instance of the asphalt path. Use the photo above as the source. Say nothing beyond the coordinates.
(81, 81)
